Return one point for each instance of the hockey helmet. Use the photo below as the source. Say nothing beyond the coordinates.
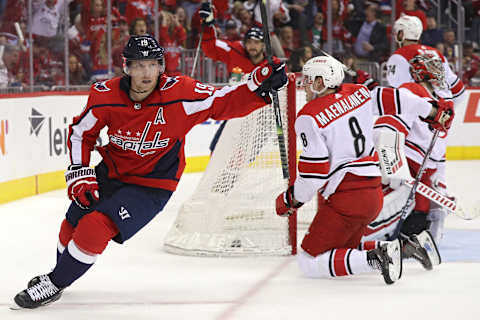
(143, 47)
(254, 33)
(329, 68)
(410, 25)
(428, 67)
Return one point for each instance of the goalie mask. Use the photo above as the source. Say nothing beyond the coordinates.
(428, 67)
(411, 27)
(329, 68)
(143, 48)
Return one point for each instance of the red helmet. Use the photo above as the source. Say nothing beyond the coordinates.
(428, 67)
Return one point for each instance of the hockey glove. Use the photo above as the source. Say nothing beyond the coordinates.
(285, 204)
(366, 79)
(206, 14)
(82, 185)
(444, 116)
(267, 77)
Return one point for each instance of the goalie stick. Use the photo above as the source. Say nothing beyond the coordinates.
(445, 202)
(276, 103)
(411, 196)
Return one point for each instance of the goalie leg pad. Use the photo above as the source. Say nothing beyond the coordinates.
(386, 221)
(94, 231)
(436, 217)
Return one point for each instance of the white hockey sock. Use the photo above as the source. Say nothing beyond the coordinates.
(334, 263)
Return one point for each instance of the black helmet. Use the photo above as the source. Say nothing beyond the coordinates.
(143, 48)
(254, 33)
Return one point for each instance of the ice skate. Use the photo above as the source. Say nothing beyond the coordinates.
(41, 293)
(422, 248)
(388, 259)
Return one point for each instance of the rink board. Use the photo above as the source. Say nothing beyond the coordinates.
(34, 128)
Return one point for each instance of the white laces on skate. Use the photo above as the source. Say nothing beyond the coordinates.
(42, 290)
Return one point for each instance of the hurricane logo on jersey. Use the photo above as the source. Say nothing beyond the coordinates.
(101, 86)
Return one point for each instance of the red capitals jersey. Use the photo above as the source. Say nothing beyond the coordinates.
(232, 53)
(146, 139)
(398, 71)
(337, 135)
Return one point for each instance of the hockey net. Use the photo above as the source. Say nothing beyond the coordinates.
(232, 211)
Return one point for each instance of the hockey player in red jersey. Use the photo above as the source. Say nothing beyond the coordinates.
(339, 160)
(246, 54)
(407, 31)
(148, 115)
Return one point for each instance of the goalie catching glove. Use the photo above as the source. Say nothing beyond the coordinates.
(286, 204)
(82, 186)
(442, 120)
(267, 77)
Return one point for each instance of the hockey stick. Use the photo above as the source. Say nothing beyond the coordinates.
(197, 52)
(276, 104)
(445, 202)
(411, 196)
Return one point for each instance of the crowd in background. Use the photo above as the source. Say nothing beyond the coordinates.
(361, 32)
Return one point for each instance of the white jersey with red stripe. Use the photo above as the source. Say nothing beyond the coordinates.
(398, 71)
(337, 136)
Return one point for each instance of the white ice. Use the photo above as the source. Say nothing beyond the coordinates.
(138, 280)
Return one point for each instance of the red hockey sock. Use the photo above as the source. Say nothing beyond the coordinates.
(93, 232)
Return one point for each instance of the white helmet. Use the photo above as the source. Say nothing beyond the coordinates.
(329, 68)
(410, 25)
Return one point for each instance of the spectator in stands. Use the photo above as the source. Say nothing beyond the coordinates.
(299, 18)
(371, 37)
(231, 32)
(9, 59)
(279, 15)
(46, 16)
(48, 67)
(471, 63)
(298, 58)
(79, 45)
(181, 17)
(433, 35)
(138, 27)
(317, 31)
(94, 17)
(475, 30)
(77, 73)
(15, 11)
(100, 57)
(191, 6)
(120, 37)
(342, 38)
(172, 37)
(286, 40)
(449, 42)
(139, 9)
(246, 19)
(409, 7)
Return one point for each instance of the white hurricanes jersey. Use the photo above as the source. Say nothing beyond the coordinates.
(398, 71)
(337, 136)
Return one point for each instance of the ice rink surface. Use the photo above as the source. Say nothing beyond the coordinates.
(138, 280)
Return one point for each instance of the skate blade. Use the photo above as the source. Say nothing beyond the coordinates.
(15, 306)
